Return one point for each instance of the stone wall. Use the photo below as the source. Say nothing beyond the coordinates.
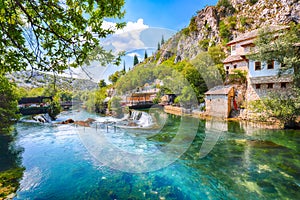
(173, 110)
(256, 94)
(219, 105)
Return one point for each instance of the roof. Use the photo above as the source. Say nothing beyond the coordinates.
(220, 89)
(270, 79)
(254, 34)
(233, 58)
(33, 100)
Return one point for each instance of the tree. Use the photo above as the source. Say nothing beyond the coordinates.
(145, 55)
(284, 107)
(115, 106)
(102, 83)
(54, 109)
(158, 46)
(187, 98)
(115, 77)
(281, 47)
(135, 60)
(8, 103)
(162, 40)
(217, 54)
(124, 68)
(50, 35)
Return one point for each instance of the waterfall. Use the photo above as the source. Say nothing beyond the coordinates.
(143, 119)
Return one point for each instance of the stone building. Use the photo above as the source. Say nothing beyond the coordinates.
(219, 101)
(262, 77)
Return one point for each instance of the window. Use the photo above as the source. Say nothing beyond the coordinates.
(270, 85)
(227, 67)
(257, 86)
(233, 48)
(270, 64)
(234, 66)
(257, 66)
(283, 85)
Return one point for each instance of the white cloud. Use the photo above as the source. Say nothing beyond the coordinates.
(130, 26)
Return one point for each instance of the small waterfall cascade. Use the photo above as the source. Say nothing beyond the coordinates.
(143, 119)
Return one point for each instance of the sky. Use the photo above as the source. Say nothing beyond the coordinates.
(147, 22)
(170, 14)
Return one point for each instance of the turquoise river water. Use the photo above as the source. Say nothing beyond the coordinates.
(243, 163)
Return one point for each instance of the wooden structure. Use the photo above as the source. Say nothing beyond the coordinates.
(141, 100)
(34, 105)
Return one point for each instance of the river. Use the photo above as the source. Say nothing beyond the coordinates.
(238, 162)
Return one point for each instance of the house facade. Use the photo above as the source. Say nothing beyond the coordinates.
(262, 77)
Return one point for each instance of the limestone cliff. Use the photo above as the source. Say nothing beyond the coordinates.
(221, 23)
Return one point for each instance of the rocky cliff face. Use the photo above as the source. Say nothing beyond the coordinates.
(218, 24)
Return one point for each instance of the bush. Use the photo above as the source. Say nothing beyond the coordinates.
(239, 76)
(280, 106)
(54, 109)
(204, 44)
(224, 31)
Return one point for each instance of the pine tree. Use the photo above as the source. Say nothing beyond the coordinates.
(124, 67)
(162, 40)
(135, 60)
(158, 46)
(146, 55)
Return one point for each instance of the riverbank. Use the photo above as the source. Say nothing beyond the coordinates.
(179, 111)
(9, 182)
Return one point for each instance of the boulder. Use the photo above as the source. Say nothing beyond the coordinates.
(68, 121)
(82, 123)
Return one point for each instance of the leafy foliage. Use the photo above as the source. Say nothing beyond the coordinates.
(102, 83)
(8, 103)
(115, 76)
(9, 181)
(48, 35)
(238, 76)
(115, 106)
(179, 78)
(217, 54)
(54, 109)
(284, 108)
(224, 31)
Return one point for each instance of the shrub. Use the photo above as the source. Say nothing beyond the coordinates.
(224, 31)
(54, 109)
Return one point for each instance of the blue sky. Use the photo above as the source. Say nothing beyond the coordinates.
(171, 14)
